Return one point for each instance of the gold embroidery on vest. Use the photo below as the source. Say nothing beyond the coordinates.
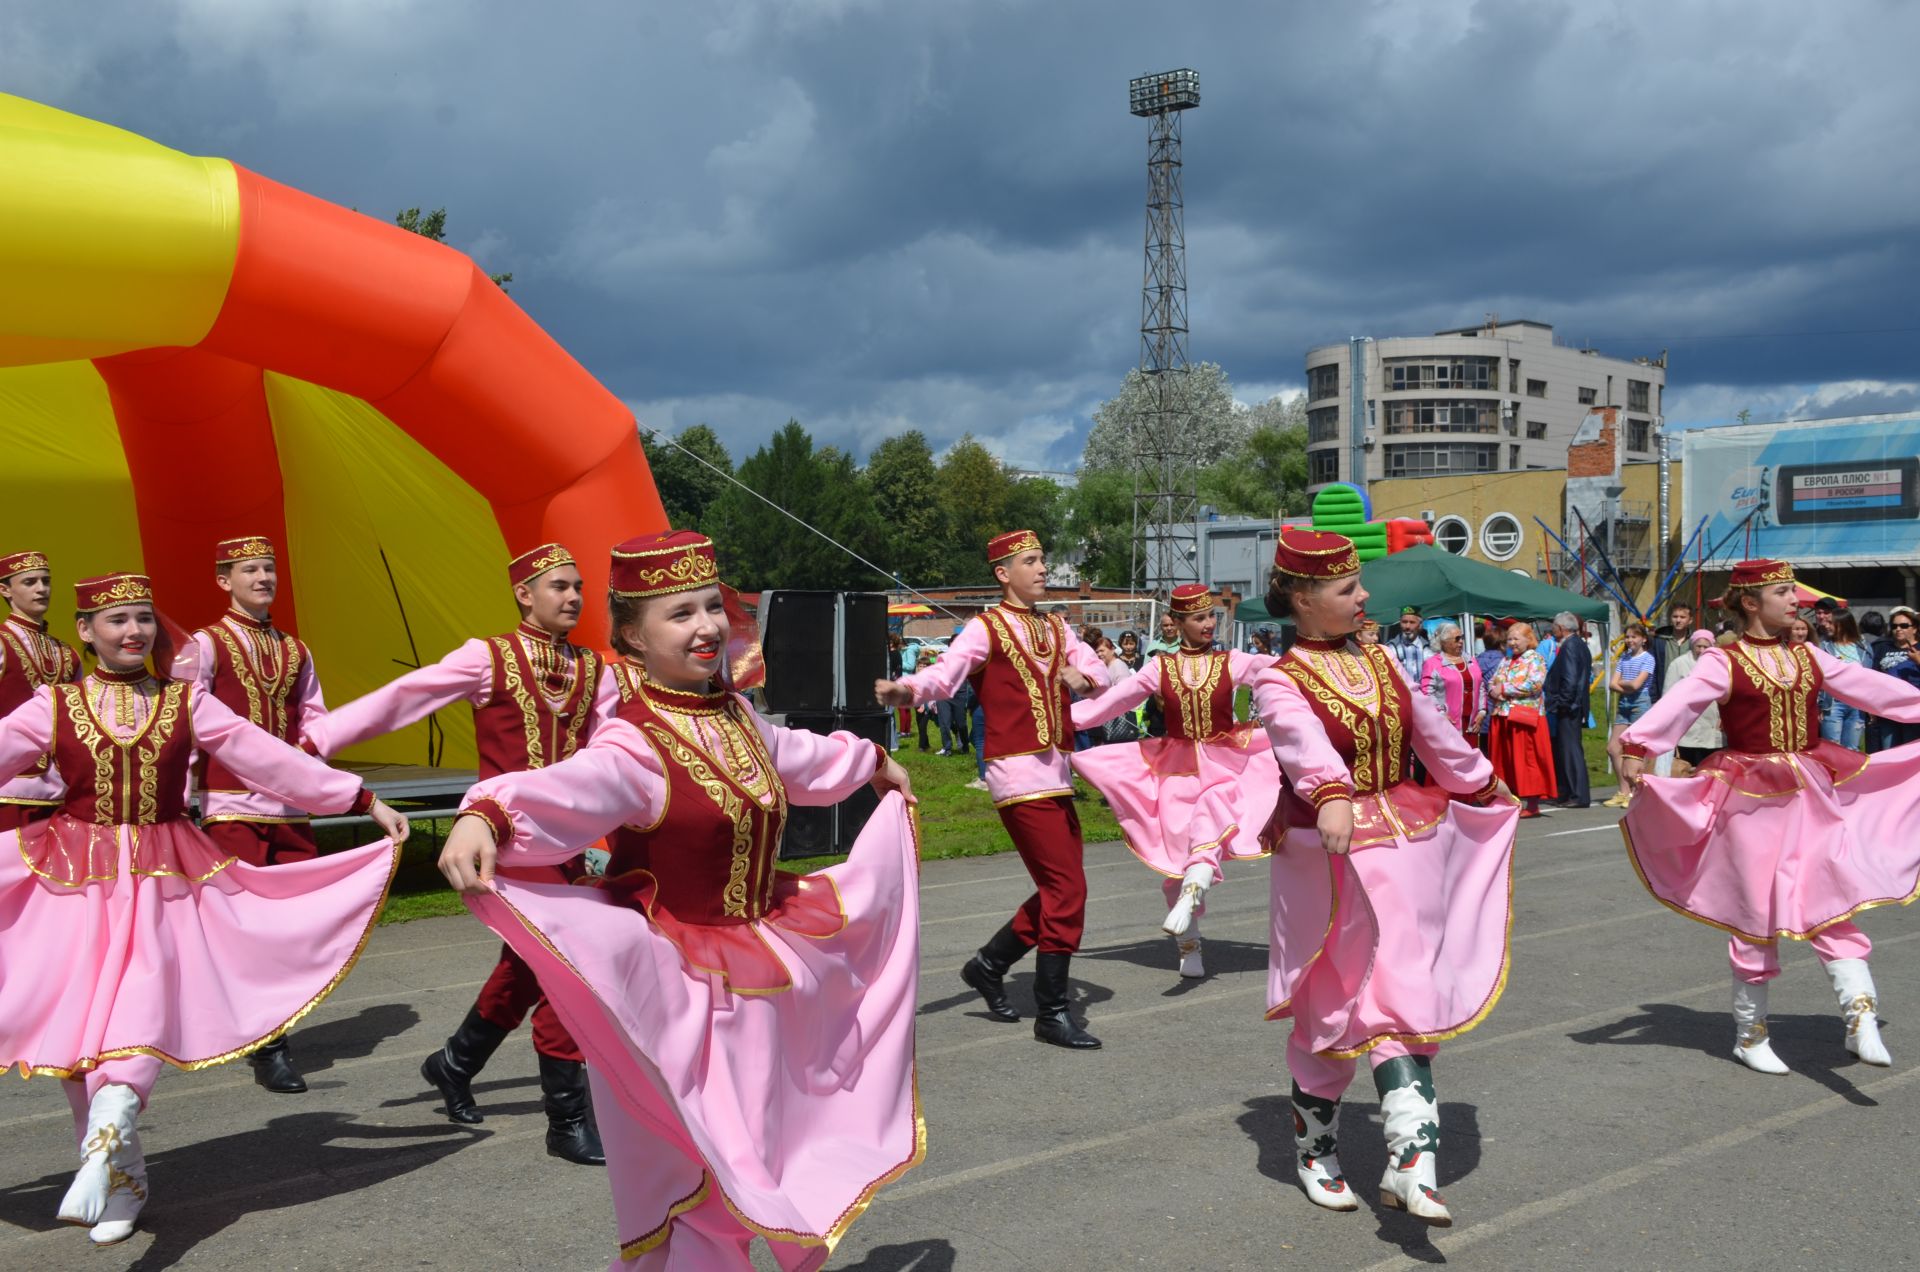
(1042, 704)
(267, 678)
(733, 901)
(1196, 701)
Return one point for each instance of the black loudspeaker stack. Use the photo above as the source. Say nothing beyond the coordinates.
(823, 652)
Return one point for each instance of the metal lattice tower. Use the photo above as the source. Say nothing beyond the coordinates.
(1165, 463)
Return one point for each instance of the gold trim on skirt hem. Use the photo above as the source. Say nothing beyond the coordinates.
(1874, 904)
(631, 1250)
(82, 1066)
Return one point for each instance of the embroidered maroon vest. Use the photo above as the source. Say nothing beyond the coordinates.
(1367, 728)
(1197, 712)
(1762, 715)
(264, 691)
(703, 871)
(1020, 687)
(141, 781)
(33, 659)
(517, 729)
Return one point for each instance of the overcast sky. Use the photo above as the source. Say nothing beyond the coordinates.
(875, 217)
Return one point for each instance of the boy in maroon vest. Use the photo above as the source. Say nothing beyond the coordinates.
(1021, 666)
(265, 676)
(29, 658)
(535, 698)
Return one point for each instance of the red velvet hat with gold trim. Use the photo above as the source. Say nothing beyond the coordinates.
(1191, 598)
(20, 562)
(1010, 544)
(531, 564)
(248, 547)
(658, 564)
(1759, 573)
(104, 591)
(1314, 554)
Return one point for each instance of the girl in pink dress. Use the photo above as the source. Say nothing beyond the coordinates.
(1391, 900)
(130, 937)
(1782, 833)
(1203, 792)
(748, 1033)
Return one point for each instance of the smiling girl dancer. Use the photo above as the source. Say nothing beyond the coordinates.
(1782, 833)
(131, 938)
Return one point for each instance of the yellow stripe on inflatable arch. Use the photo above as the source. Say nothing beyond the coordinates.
(355, 486)
(108, 242)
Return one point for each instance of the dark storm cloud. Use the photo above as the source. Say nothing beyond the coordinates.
(876, 216)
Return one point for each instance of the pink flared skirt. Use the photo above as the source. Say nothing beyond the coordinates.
(118, 941)
(1404, 939)
(1770, 845)
(1178, 800)
(795, 1105)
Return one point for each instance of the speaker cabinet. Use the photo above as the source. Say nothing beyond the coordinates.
(816, 832)
(823, 650)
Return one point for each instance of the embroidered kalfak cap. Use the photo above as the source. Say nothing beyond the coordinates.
(1314, 554)
(658, 564)
(105, 591)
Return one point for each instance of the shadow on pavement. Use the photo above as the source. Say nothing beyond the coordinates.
(1159, 954)
(909, 1256)
(431, 1098)
(199, 1189)
(316, 1048)
(1268, 1122)
(1812, 1046)
(1020, 993)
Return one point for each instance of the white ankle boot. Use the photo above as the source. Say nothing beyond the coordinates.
(126, 1194)
(1853, 985)
(1314, 1128)
(1750, 1045)
(1193, 892)
(1411, 1117)
(110, 1127)
(1191, 968)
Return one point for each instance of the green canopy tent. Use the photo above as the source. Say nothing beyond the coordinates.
(1440, 583)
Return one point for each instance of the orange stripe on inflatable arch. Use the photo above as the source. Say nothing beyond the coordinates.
(200, 451)
(414, 328)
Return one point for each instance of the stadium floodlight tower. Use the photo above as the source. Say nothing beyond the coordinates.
(1165, 462)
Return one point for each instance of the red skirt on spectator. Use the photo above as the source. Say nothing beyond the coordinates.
(1522, 756)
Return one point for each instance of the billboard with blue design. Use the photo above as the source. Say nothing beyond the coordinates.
(1821, 492)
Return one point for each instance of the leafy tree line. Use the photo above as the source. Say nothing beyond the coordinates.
(924, 519)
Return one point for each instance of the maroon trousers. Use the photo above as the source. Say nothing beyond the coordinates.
(263, 843)
(1046, 833)
(512, 990)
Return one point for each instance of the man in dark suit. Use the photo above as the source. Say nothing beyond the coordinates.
(1565, 700)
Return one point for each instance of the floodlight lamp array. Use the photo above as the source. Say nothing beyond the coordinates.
(1168, 91)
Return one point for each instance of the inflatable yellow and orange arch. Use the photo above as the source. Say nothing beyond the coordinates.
(190, 351)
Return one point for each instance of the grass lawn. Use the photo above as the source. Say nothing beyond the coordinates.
(954, 822)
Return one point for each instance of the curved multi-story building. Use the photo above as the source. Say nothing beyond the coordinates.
(1501, 397)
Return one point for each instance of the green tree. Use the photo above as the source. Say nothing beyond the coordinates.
(1266, 475)
(1100, 521)
(1203, 395)
(906, 494)
(973, 488)
(433, 225)
(687, 487)
(760, 548)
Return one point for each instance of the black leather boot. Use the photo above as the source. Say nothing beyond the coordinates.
(1051, 996)
(987, 971)
(571, 1134)
(273, 1068)
(452, 1069)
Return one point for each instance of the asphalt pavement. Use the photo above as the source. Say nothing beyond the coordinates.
(1595, 1120)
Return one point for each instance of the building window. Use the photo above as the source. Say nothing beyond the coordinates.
(1536, 388)
(1589, 396)
(1443, 415)
(1429, 459)
(1452, 373)
(1500, 536)
(1513, 375)
(1639, 434)
(1323, 382)
(1513, 457)
(1453, 534)
(1323, 466)
(1323, 424)
(1536, 430)
(1637, 395)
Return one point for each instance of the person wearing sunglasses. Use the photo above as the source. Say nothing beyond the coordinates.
(1900, 658)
